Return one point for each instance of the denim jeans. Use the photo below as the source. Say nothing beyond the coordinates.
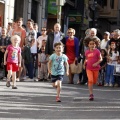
(109, 74)
(29, 68)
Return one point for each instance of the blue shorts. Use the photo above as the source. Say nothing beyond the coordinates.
(56, 77)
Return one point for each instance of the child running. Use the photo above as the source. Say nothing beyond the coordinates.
(92, 64)
(56, 67)
(13, 57)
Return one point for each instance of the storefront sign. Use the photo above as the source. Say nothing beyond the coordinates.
(52, 8)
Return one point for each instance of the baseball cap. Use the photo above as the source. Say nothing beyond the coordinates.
(107, 33)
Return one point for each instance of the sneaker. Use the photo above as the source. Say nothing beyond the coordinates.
(35, 80)
(24, 78)
(58, 99)
(106, 85)
(4, 78)
(17, 79)
(45, 80)
(40, 80)
(110, 85)
(14, 87)
(91, 97)
(99, 84)
(8, 84)
(116, 85)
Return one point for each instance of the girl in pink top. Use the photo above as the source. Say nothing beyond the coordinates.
(92, 61)
(13, 57)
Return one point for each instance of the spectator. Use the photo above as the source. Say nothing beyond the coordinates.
(36, 29)
(112, 61)
(53, 37)
(71, 50)
(104, 42)
(4, 42)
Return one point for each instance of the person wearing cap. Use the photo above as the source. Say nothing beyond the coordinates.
(104, 42)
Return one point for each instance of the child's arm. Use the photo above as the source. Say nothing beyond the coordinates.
(5, 55)
(98, 62)
(67, 68)
(49, 66)
(103, 66)
(84, 64)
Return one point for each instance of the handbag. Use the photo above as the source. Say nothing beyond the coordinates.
(76, 69)
(116, 70)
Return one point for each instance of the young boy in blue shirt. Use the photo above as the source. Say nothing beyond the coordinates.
(56, 67)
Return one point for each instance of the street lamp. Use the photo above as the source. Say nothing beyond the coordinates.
(59, 4)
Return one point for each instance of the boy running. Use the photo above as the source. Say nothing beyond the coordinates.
(56, 67)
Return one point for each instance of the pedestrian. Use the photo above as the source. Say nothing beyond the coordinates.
(52, 38)
(43, 60)
(32, 37)
(103, 64)
(13, 56)
(56, 67)
(4, 42)
(112, 59)
(20, 31)
(28, 59)
(92, 64)
(105, 41)
(71, 50)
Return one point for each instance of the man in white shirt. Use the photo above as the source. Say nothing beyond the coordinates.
(104, 42)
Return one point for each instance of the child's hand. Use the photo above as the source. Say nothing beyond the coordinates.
(49, 71)
(95, 64)
(19, 64)
(84, 67)
(67, 73)
(5, 63)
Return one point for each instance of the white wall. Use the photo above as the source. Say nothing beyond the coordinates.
(9, 12)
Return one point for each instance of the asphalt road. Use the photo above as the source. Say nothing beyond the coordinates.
(36, 100)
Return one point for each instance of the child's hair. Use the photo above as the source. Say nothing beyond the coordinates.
(105, 52)
(15, 37)
(110, 53)
(88, 40)
(58, 43)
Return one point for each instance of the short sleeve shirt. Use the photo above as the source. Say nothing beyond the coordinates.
(58, 64)
(92, 57)
(13, 54)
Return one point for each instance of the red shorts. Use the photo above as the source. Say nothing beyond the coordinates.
(12, 66)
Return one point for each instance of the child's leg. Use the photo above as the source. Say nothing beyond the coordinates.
(45, 71)
(58, 83)
(9, 75)
(90, 81)
(8, 78)
(14, 78)
(107, 78)
(41, 71)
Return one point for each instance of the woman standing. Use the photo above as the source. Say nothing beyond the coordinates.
(71, 50)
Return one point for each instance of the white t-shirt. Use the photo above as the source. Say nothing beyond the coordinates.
(39, 40)
(103, 44)
(32, 34)
(113, 57)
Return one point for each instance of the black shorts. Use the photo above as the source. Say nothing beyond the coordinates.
(56, 77)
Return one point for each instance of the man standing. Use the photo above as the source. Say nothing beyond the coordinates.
(53, 38)
(22, 33)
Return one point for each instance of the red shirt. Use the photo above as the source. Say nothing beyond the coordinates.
(92, 57)
(70, 51)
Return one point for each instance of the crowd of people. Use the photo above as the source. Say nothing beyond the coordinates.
(26, 53)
